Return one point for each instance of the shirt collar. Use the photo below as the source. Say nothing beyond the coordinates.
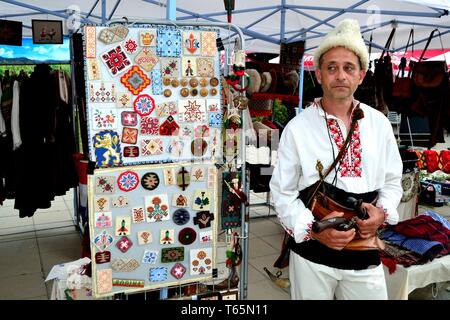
(317, 104)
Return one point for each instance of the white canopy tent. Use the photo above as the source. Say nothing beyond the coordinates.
(265, 23)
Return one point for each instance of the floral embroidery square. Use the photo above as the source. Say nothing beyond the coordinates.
(144, 105)
(104, 118)
(169, 177)
(103, 219)
(107, 148)
(213, 105)
(166, 109)
(186, 131)
(192, 110)
(129, 135)
(147, 38)
(191, 42)
(149, 125)
(169, 255)
(116, 60)
(170, 67)
(202, 199)
(138, 215)
(168, 42)
(102, 92)
(124, 100)
(201, 131)
(146, 59)
(130, 46)
(151, 147)
(144, 237)
(104, 184)
(158, 274)
(93, 68)
(157, 208)
(189, 66)
(135, 80)
(209, 47)
(198, 174)
(101, 204)
(129, 118)
(205, 67)
(200, 261)
(103, 240)
(150, 257)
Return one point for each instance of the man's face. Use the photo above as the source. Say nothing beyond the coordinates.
(340, 73)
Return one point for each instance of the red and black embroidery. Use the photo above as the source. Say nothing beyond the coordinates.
(351, 165)
(308, 232)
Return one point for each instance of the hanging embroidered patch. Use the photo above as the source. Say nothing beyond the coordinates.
(187, 236)
(198, 174)
(144, 237)
(183, 178)
(90, 36)
(209, 47)
(147, 38)
(104, 184)
(102, 257)
(128, 181)
(189, 66)
(175, 148)
(102, 92)
(120, 202)
(124, 244)
(213, 105)
(175, 254)
(199, 147)
(144, 105)
(158, 274)
(181, 216)
(131, 151)
(150, 256)
(129, 118)
(123, 100)
(135, 80)
(93, 68)
(178, 271)
(104, 118)
(205, 67)
(103, 240)
(192, 110)
(151, 147)
(104, 281)
(169, 127)
(101, 204)
(202, 199)
(215, 120)
(130, 46)
(167, 236)
(206, 236)
(113, 34)
(138, 215)
(107, 148)
(103, 219)
(129, 135)
(168, 42)
(200, 261)
(157, 208)
(203, 219)
(170, 67)
(128, 283)
(146, 59)
(169, 176)
(155, 75)
(231, 202)
(116, 60)
(150, 181)
(201, 131)
(149, 125)
(124, 265)
(166, 109)
(123, 226)
(186, 131)
(191, 42)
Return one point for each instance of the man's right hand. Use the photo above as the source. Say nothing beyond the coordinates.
(333, 238)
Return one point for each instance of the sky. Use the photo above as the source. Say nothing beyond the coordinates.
(39, 52)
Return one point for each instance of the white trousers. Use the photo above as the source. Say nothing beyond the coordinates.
(312, 281)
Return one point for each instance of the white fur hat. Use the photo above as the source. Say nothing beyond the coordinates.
(346, 34)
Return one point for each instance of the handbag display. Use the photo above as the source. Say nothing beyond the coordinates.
(402, 87)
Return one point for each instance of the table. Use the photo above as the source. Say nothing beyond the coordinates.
(404, 280)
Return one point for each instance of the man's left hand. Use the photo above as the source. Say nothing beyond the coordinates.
(369, 227)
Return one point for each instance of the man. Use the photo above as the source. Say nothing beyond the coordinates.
(325, 265)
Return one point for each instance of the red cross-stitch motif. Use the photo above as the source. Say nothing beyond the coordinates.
(116, 60)
(149, 125)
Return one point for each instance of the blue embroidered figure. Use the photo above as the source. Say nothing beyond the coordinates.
(107, 148)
